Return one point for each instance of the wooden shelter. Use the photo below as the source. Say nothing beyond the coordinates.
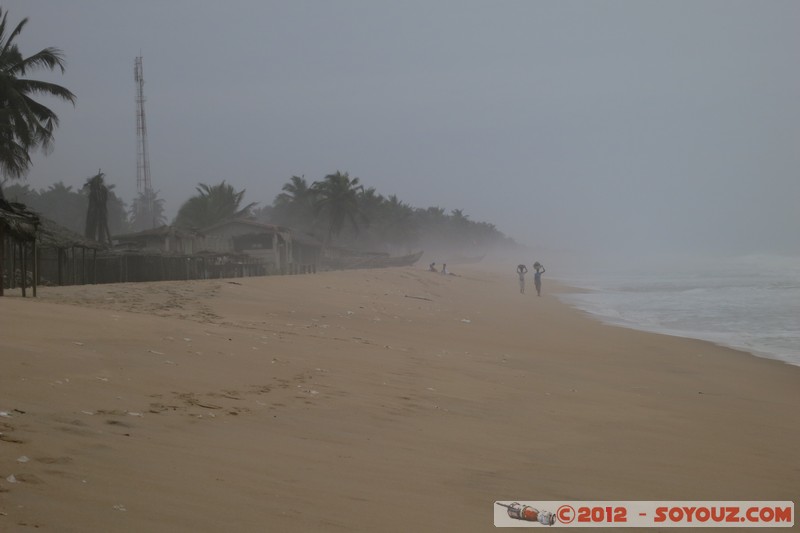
(270, 244)
(163, 239)
(306, 253)
(18, 227)
(65, 257)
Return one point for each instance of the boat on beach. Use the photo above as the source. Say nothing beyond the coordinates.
(368, 260)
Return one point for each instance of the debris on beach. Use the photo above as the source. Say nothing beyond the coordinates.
(11, 479)
(466, 320)
(22, 459)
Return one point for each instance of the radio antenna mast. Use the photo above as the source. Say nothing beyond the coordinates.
(143, 185)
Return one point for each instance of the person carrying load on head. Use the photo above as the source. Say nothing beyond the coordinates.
(521, 271)
(537, 277)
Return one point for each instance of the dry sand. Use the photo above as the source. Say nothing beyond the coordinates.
(387, 400)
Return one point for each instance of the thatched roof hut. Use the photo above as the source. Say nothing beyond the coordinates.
(162, 239)
(18, 227)
(51, 234)
(17, 221)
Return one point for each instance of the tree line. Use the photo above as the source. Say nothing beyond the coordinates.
(337, 209)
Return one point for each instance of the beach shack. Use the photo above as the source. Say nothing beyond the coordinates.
(168, 239)
(306, 253)
(18, 227)
(278, 248)
(268, 243)
(65, 257)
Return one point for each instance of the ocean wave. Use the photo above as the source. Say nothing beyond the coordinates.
(727, 305)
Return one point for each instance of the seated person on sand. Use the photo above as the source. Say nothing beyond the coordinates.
(445, 272)
(432, 267)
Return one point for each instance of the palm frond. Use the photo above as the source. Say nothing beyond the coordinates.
(46, 88)
(48, 58)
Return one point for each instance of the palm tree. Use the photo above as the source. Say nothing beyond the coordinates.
(25, 124)
(147, 211)
(211, 205)
(370, 203)
(400, 229)
(63, 205)
(97, 214)
(295, 205)
(337, 198)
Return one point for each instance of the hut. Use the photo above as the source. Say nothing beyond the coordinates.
(270, 244)
(62, 255)
(18, 227)
(306, 253)
(164, 239)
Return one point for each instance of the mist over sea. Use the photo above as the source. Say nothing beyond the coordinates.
(750, 303)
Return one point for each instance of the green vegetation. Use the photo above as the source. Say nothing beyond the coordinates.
(346, 213)
(147, 211)
(25, 124)
(338, 208)
(212, 204)
(68, 207)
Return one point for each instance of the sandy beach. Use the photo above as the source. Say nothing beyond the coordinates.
(382, 400)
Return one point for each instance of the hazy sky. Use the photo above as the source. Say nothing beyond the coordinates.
(618, 126)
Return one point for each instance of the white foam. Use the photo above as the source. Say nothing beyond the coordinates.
(742, 305)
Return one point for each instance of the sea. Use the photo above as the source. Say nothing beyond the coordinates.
(751, 303)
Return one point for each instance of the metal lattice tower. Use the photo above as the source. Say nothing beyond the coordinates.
(142, 160)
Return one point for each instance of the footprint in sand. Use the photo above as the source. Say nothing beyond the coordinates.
(160, 408)
(5, 436)
(190, 399)
(63, 460)
(119, 423)
(28, 478)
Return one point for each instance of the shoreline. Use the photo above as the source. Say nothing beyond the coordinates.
(193, 406)
(567, 289)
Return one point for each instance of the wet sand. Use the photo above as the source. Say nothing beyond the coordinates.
(385, 400)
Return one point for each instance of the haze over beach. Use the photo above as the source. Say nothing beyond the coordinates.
(646, 153)
(615, 129)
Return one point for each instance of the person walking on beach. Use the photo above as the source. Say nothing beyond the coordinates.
(444, 268)
(521, 271)
(537, 277)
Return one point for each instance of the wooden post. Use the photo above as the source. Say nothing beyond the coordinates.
(23, 265)
(35, 268)
(83, 266)
(2, 255)
(74, 267)
(59, 269)
(12, 279)
(94, 266)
